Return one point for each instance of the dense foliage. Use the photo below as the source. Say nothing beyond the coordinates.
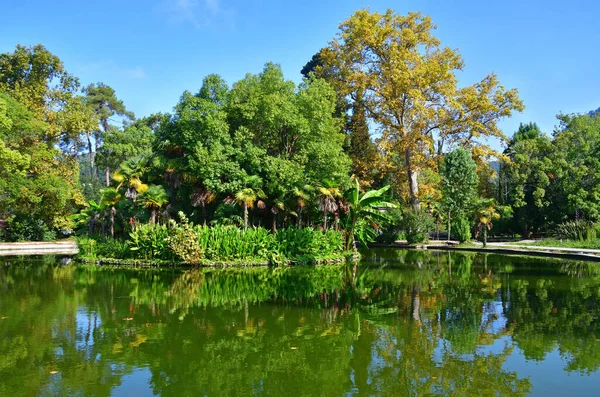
(267, 152)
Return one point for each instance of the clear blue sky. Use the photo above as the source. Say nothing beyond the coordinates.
(150, 51)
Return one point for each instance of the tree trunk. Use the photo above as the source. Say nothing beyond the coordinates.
(484, 236)
(203, 205)
(245, 208)
(413, 181)
(91, 153)
(324, 220)
(448, 225)
(274, 222)
(299, 216)
(113, 210)
(107, 176)
(153, 217)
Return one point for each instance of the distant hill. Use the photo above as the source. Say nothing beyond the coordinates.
(594, 112)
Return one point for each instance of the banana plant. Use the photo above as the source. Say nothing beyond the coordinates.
(366, 214)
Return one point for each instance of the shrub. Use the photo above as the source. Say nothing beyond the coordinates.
(308, 244)
(461, 228)
(576, 230)
(183, 242)
(24, 227)
(417, 225)
(150, 241)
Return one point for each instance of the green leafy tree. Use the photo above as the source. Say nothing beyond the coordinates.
(103, 101)
(459, 183)
(525, 179)
(577, 157)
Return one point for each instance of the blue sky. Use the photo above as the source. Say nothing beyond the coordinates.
(151, 51)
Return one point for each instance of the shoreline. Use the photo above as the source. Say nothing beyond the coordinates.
(546, 252)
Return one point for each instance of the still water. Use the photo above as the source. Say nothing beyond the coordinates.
(401, 323)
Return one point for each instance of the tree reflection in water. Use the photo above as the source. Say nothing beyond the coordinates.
(400, 323)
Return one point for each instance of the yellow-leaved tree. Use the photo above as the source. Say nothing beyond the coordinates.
(407, 83)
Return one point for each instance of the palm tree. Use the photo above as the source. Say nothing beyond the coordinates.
(129, 174)
(364, 214)
(486, 213)
(110, 198)
(328, 196)
(153, 199)
(200, 197)
(303, 196)
(278, 205)
(246, 198)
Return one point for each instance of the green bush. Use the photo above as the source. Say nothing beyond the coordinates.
(24, 227)
(229, 242)
(191, 244)
(307, 244)
(150, 241)
(461, 228)
(417, 225)
(183, 242)
(577, 230)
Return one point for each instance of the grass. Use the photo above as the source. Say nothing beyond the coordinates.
(553, 242)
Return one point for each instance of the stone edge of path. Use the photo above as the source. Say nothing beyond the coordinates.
(67, 247)
(548, 253)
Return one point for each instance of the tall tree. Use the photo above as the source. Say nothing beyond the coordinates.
(105, 104)
(409, 87)
(526, 177)
(361, 148)
(459, 182)
(577, 155)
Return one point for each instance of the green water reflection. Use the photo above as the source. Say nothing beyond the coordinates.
(403, 323)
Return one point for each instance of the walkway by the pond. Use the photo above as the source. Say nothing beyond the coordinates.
(523, 247)
(65, 247)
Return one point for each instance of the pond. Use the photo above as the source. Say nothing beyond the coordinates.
(400, 323)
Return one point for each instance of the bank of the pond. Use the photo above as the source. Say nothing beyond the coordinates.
(187, 245)
(506, 249)
(212, 263)
(63, 247)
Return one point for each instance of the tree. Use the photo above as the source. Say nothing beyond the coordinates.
(110, 198)
(35, 178)
(120, 144)
(102, 99)
(409, 87)
(459, 182)
(327, 195)
(303, 196)
(289, 132)
(37, 79)
(361, 149)
(154, 198)
(130, 175)
(526, 178)
(247, 196)
(486, 214)
(577, 161)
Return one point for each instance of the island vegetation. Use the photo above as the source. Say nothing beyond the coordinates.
(379, 141)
